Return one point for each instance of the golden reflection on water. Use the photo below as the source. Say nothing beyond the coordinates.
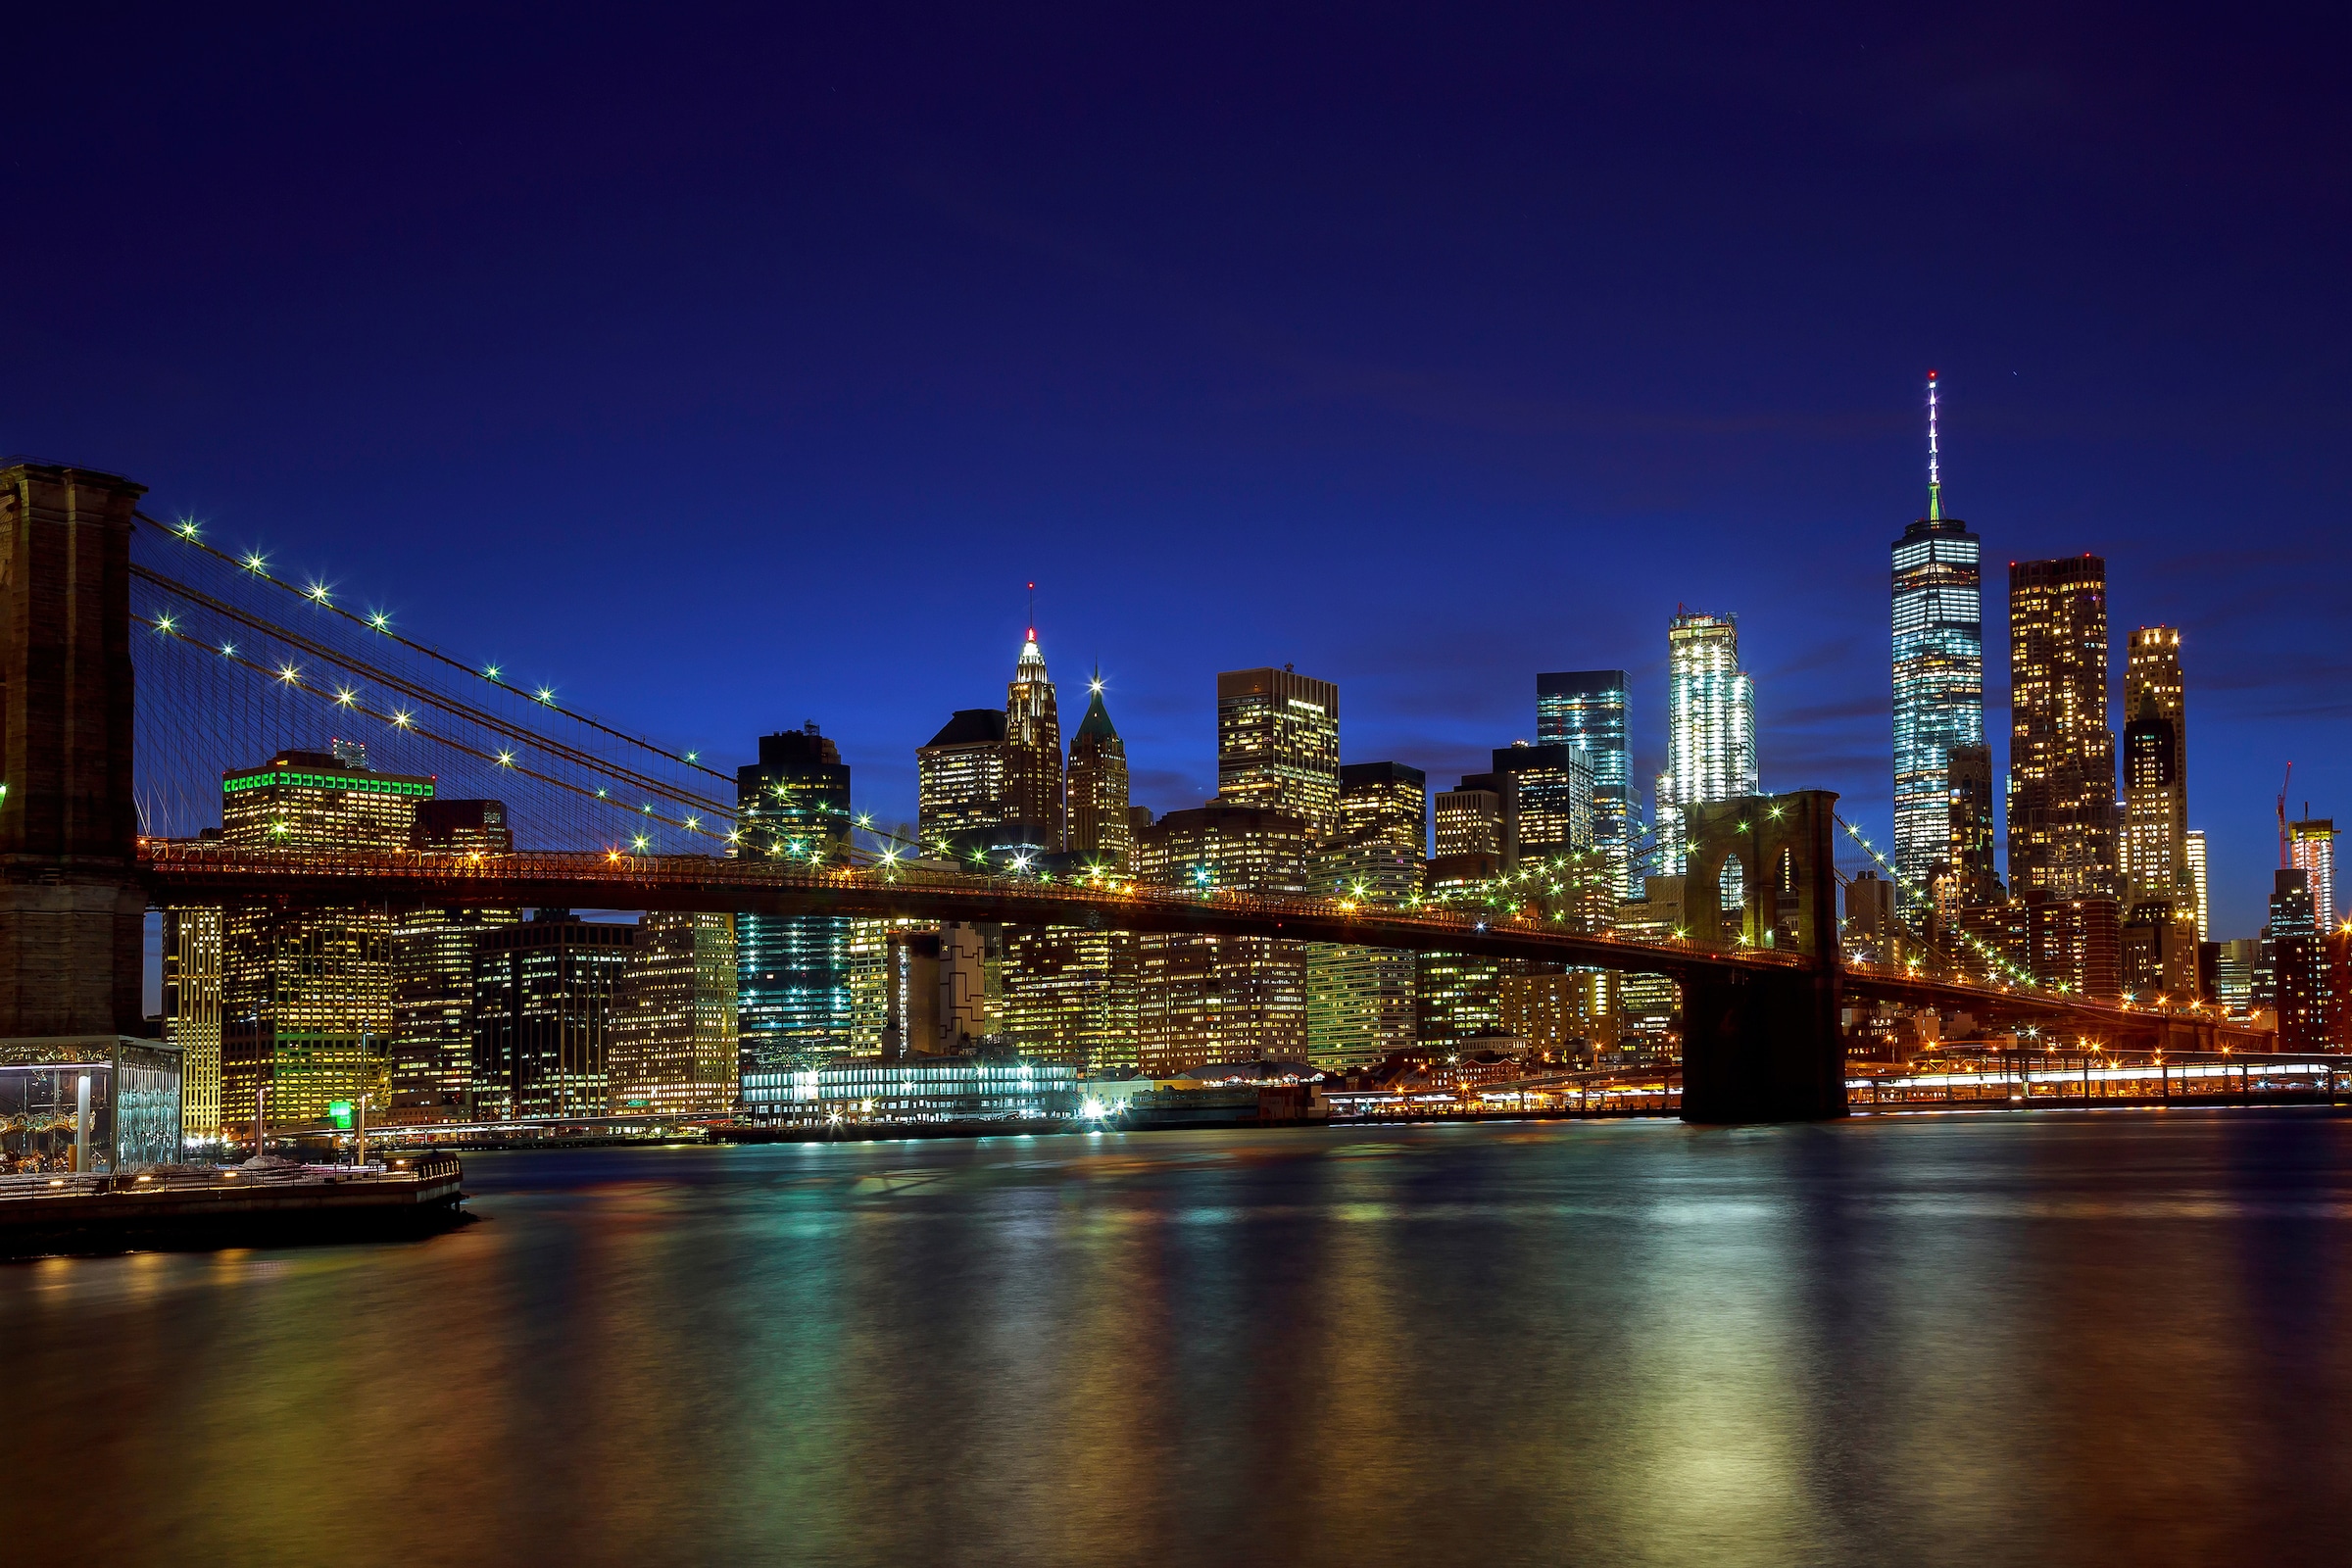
(1987, 1339)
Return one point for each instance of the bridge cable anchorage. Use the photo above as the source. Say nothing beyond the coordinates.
(381, 628)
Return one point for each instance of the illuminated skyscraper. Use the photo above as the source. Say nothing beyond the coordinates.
(192, 1012)
(960, 777)
(1359, 1000)
(674, 1041)
(1278, 746)
(1939, 670)
(433, 965)
(1032, 750)
(2290, 969)
(1710, 725)
(1099, 821)
(307, 994)
(792, 970)
(1585, 708)
(1968, 775)
(543, 1015)
(1207, 999)
(2311, 844)
(2155, 828)
(1385, 803)
(1070, 996)
(2196, 847)
(2061, 746)
(1549, 798)
(1472, 819)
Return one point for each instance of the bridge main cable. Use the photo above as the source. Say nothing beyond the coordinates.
(186, 535)
(446, 701)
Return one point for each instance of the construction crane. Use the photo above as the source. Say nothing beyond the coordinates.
(2286, 855)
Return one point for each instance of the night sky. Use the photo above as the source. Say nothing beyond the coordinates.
(733, 371)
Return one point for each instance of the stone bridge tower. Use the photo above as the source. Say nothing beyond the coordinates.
(71, 910)
(1763, 1045)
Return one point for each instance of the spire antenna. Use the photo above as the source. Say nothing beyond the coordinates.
(1033, 611)
(1935, 477)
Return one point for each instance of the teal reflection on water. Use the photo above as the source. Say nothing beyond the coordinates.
(1965, 1339)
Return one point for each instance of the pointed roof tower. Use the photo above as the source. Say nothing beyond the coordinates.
(1031, 665)
(1096, 722)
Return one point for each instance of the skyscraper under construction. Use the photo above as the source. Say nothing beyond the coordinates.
(1710, 725)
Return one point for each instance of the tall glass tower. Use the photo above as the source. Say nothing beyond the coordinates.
(1710, 725)
(792, 970)
(1585, 708)
(1939, 670)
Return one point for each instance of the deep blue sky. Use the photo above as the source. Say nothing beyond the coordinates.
(734, 370)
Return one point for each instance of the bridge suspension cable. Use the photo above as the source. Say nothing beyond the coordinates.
(238, 665)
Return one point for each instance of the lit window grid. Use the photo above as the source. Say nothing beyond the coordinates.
(673, 1043)
(1939, 705)
(1710, 727)
(1387, 810)
(2313, 848)
(1596, 721)
(543, 1018)
(2060, 788)
(1099, 798)
(1072, 996)
(1469, 822)
(1278, 750)
(1219, 999)
(2195, 847)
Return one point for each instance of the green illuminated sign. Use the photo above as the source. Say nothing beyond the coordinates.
(338, 1111)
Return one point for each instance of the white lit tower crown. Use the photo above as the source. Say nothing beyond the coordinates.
(1033, 777)
(1710, 725)
(1938, 669)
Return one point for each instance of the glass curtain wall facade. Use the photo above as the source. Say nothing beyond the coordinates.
(2311, 845)
(192, 1011)
(1586, 709)
(792, 971)
(1938, 679)
(1710, 725)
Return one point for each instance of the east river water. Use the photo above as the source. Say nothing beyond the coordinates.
(2113, 1337)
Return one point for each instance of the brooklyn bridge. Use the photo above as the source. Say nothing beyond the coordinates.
(141, 663)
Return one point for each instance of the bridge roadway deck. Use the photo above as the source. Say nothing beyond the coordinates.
(177, 873)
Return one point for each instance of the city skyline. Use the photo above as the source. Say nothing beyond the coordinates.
(1512, 401)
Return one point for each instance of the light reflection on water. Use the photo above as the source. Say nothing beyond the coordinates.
(1964, 1340)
